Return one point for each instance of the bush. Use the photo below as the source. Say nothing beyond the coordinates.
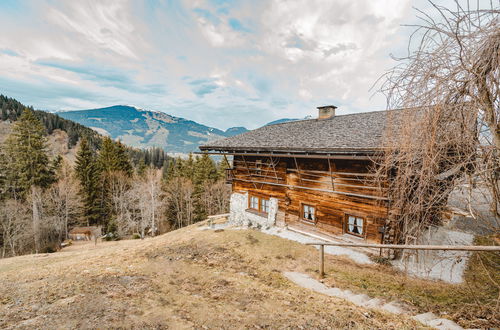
(381, 260)
(49, 249)
(111, 237)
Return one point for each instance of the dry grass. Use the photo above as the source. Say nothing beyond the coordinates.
(183, 279)
(473, 304)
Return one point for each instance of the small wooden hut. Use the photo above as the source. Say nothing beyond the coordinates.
(85, 233)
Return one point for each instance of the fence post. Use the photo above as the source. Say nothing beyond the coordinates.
(321, 261)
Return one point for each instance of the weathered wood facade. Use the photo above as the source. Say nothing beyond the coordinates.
(335, 188)
(323, 181)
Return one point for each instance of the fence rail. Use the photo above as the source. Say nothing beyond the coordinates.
(398, 247)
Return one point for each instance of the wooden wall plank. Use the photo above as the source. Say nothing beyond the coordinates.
(331, 208)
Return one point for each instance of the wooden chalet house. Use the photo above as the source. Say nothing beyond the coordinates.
(315, 175)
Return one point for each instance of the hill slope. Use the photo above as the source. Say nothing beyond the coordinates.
(184, 279)
(141, 128)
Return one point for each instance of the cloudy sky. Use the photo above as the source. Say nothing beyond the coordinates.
(220, 62)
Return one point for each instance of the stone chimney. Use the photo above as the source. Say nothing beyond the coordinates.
(326, 112)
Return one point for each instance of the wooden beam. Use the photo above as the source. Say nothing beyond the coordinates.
(331, 176)
(315, 189)
(230, 166)
(321, 261)
(343, 184)
(255, 186)
(261, 176)
(256, 168)
(413, 247)
(274, 168)
(339, 173)
(298, 169)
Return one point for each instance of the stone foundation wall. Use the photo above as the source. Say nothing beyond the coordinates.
(240, 215)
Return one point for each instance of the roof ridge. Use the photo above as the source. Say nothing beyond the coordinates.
(343, 115)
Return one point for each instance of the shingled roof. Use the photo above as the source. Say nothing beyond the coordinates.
(352, 133)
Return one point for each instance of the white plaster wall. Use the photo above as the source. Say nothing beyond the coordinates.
(239, 216)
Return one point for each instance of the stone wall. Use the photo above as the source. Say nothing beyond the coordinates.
(240, 215)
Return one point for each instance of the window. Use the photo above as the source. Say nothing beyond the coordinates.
(354, 225)
(308, 213)
(254, 203)
(264, 205)
(259, 204)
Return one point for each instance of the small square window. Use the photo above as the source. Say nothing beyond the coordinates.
(308, 213)
(264, 205)
(355, 225)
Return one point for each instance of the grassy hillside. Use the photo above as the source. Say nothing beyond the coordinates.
(186, 278)
(219, 279)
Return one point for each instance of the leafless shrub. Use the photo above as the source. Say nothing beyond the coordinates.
(139, 203)
(215, 197)
(180, 202)
(15, 228)
(449, 82)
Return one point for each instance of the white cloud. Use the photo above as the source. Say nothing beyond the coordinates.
(265, 59)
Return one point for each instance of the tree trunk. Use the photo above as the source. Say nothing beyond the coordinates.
(36, 218)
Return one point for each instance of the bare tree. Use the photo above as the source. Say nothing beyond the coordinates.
(15, 227)
(119, 185)
(63, 202)
(140, 205)
(450, 82)
(215, 197)
(154, 195)
(180, 198)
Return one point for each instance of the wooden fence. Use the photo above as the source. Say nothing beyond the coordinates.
(398, 247)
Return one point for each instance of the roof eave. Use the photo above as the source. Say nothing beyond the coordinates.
(312, 151)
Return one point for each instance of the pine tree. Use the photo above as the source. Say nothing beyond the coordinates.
(171, 169)
(122, 160)
(222, 166)
(88, 174)
(28, 164)
(26, 149)
(141, 167)
(107, 160)
(113, 162)
(205, 172)
(188, 167)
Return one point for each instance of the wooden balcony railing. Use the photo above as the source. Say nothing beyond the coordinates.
(229, 175)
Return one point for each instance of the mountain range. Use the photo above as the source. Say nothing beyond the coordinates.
(142, 128)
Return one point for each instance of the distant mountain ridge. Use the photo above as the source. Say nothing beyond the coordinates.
(281, 121)
(143, 128)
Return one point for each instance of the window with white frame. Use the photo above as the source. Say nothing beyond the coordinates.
(254, 203)
(260, 204)
(308, 213)
(354, 225)
(264, 205)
